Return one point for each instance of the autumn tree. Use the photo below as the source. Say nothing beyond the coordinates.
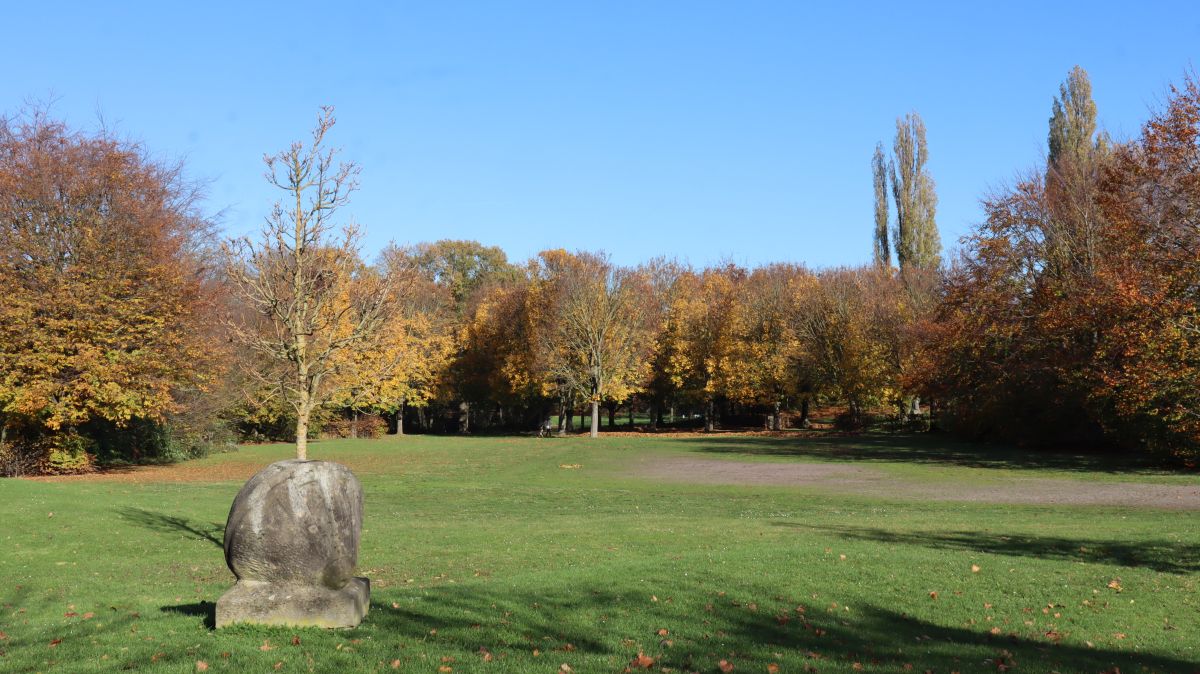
(766, 344)
(106, 290)
(704, 356)
(598, 331)
(306, 282)
(843, 338)
(405, 364)
(916, 240)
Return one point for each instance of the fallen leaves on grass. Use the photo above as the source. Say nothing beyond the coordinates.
(55, 643)
(570, 466)
(201, 666)
(1115, 584)
(975, 568)
(266, 646)
(486, 654)
(725, 666)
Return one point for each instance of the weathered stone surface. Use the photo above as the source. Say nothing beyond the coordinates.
(261, 603)
(292, 541)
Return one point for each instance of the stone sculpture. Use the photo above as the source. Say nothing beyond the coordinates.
(292, 541)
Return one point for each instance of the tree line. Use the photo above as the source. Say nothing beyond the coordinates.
(130, 331)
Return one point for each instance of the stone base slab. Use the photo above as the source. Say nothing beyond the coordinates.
(290, 604)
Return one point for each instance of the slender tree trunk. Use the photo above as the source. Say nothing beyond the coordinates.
(776, 422)
(464, 417)
(804, 404)
(562, 417)
(400, 418)
(631, 415)
(914, 408)
(595, 418)
(302, 434)
(672, 413)
(570, 420)
(709, 413)
(354, 423)
(421, 419)
(612, 416)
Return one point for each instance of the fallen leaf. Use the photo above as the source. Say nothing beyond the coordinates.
(55, 643)
(995, 630)
(201, 666)
(444, 669)
(536, 652)
(278, 665)
(295, 640)
(1119, 635)
(267, 646)
(772, 668)
(89, 615)
(395, 604)
(396, 663)
(975, 568)
(1115, 584)
(725, 666)
(70, 614)
(642, 660)
(663, 632)
(933, 595)
(487, 655)
(565, 668)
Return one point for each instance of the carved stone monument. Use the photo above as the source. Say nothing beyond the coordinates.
(292, 541)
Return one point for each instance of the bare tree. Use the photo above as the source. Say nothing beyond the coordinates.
(312, 298)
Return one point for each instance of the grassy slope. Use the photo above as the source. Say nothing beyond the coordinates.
(488, 543)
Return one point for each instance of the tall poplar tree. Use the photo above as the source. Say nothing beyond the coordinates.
(916, 237)
(1073, 119)
(883, 251)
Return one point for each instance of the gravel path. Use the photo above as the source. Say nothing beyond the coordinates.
(854, 479)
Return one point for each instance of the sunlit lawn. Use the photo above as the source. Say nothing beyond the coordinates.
(486, 555)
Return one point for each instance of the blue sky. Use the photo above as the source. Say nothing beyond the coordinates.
(702, 130)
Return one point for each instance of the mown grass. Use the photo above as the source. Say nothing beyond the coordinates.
(486, 556)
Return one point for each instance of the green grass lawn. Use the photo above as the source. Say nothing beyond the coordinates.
(486, 556)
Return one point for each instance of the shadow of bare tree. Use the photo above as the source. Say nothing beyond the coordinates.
(1159, 555)
(213, 532)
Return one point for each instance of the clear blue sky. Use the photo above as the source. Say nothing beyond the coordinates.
(703, 130)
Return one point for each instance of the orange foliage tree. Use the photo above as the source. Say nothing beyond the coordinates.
(105, 314)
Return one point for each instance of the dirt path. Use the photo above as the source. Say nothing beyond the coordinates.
(853, 479)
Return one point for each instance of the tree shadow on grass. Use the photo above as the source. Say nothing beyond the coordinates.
(204, 609)
(924, 449)
(1158, 555)
(213, 532)
(589, 630)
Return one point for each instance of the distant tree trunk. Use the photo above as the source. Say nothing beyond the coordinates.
(464, 417)
(421, 419)
(709, 413)
(672, 413)
(612, 416)
(400, 418)
(354, 422)
(595, 418)
(570, 419)
(776, 421)
(804, 404)
(914, 408)
(630, 415)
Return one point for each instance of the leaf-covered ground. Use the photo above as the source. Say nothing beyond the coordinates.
(528, 555)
